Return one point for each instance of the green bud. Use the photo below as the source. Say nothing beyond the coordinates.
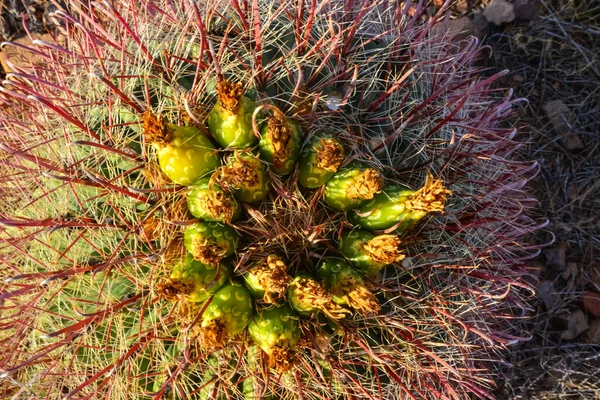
(210, 242)
(280, 143)
(320, 160)
(276, 331)
(268, 279)
(401, 207)
(207, 200)
(308, 297)
(184, 153)
(347, 286)
(245, 176)
(194, 280)
(370, 253)
(230, 120)
(351, 187)
(228, 313)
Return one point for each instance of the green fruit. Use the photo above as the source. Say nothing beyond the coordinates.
(276, 331)
(347, 286)
(320, 160)
(308, 297)
(351, 187)
(184, 153)
(207, 200)
(280, 143)
(196, 281)
(210, 242)
(228, 313)
(370, 253)
(245, 176)
(401, 207)
(230, 120)
(268, 279)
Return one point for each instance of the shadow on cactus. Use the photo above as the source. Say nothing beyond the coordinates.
(249, 200)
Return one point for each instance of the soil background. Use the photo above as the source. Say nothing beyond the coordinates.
(552, 50)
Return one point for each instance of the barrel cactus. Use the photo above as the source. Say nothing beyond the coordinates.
(123, 279)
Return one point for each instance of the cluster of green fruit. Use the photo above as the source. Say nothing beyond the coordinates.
(270, 302)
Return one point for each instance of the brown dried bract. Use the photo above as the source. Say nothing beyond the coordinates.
(217, 204)
(171, 289)
(384, 249)
(330, 154)
(282, 358)
(279, 133)
(310, 293)
(357, 295)
(236, 174)
(214, 335)
(365, 185)
(430, 198)
(208, 252)
(155, 129)
(272, 276)
(229, 95)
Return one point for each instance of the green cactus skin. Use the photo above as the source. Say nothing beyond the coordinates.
(321, 158)
(230, 120)
(352, 187)
(307, 297)
(184, 153)
(197, 281)
(370, 253)
(401, 207)
(280, 142)
(276, 331)
(268, 279)
(210, 242)
(245, 176)
(207, 200)
(228, 313)
(347, 286)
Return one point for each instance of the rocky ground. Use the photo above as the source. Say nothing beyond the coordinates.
(552, 49)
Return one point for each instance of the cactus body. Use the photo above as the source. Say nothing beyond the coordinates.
(94, 302)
